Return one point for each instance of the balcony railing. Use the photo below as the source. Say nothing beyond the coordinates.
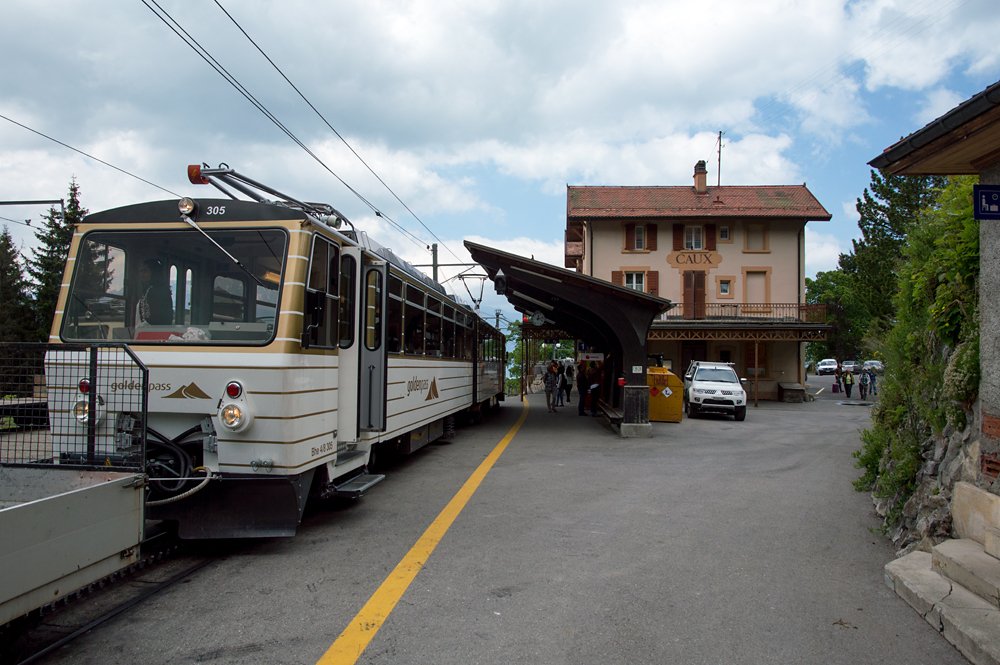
(742, 312)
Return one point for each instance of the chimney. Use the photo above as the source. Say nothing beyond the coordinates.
(700, 178)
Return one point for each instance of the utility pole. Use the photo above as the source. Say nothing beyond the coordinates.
(434, 260)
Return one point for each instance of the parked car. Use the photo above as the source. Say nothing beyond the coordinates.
(714, 387)
(875, 365)
(826, 366)
(852, 366)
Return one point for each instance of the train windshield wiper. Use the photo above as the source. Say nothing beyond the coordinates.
(222, 249)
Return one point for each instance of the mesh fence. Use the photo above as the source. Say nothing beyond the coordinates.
(72, 405)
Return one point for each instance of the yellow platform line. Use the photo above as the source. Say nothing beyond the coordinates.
(361, 630)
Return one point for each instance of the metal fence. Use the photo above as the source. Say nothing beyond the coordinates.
(73, 405)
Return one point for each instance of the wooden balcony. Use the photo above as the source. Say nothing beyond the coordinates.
(744, 313)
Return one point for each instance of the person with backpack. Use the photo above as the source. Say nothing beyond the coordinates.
(863, 381)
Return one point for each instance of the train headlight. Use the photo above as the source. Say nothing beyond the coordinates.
(81, 410)
(232, 416)
(186, 206)
(235, 413)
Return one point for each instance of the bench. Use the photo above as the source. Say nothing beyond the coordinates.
(791, 392)
(613, 415)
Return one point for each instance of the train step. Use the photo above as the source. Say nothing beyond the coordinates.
(348, 455)
(355, 486)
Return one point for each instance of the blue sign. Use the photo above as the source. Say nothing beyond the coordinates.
(986, 201)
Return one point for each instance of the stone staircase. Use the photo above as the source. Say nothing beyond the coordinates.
(956, 587)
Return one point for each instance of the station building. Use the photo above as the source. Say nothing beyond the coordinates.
(730, 258)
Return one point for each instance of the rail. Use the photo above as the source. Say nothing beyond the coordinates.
(737, 312)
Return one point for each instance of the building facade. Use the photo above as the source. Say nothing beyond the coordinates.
(731, 258)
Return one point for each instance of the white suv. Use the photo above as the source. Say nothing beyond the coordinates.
(714, 387)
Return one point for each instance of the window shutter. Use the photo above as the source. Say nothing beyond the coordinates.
(618, 278)
(688, 290)
(699, 295)
(710, 237)
(653, 282)
(629, 236)
(651, 237)
(678, 237)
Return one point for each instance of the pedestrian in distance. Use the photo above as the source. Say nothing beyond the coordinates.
(848, 382)
(594, 376)
(582, 386)
(838, 377)
(551, 381)
(863, 380)
(873, 382)
(568, 383)
(560, 384)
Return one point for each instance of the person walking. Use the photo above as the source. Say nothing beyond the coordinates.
(551, 380)
(873, 382)
(848, 382)
(568, 383)
(594, 381)
(560, 384)
(838, 377)
(581, 388)
(863, 380)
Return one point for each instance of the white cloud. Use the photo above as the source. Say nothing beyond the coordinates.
(822, 251)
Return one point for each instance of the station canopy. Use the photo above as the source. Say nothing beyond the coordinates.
(563, 304)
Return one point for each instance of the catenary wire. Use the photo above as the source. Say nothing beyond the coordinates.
(186, 37)
(332, 128)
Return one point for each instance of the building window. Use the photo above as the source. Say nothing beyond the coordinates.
(693, 237)
(636, 280)
(640, 237)
(755, 238)
(724, 287)
(724, 234)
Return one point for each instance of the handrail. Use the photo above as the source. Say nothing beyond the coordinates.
(722, 312)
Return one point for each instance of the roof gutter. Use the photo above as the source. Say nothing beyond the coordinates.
(961, 114)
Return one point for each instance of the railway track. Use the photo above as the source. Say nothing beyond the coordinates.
(165, 562)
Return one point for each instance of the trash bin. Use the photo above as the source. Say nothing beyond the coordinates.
(666, 395)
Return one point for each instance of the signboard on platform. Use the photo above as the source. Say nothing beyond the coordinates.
(986, 202)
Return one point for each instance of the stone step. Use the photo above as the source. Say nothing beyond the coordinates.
(964, 561)
(966, 620)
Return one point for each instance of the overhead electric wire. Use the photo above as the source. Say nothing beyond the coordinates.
(88, 155)
(332, 128)
(193, 43)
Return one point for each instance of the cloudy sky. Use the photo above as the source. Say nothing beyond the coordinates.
(476, 115)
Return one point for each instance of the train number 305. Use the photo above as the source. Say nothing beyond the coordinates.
(215, 210)
(322, 449)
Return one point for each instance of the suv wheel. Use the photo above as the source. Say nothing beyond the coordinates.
(740, 413)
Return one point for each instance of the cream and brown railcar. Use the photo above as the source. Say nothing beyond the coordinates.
(286, 354)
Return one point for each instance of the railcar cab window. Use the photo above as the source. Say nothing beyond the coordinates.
(175, 287)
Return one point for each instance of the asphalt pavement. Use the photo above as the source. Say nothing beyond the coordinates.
(711, 542)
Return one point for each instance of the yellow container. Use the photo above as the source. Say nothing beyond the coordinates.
(666, 395)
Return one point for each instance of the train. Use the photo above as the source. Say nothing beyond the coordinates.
(257, 351)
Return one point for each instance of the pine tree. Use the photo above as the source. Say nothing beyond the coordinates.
(49, 261)
(19, 323)
(887, 212)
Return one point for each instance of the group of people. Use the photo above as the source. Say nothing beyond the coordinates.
(559, 379)
(866, 379)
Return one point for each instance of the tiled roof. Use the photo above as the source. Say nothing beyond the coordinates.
(774, 201)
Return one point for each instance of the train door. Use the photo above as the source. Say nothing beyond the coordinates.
(373, 350)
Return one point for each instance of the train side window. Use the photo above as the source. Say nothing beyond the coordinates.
(348, 277)
(373, 310)
(448, 332)
(432, 335)
(321, 315)
(394, 316)
(413, 331)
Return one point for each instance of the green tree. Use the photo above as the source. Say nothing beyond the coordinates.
(887, 211)
(49, 261)
(835, 290)
(15, 301)
(932, 348)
